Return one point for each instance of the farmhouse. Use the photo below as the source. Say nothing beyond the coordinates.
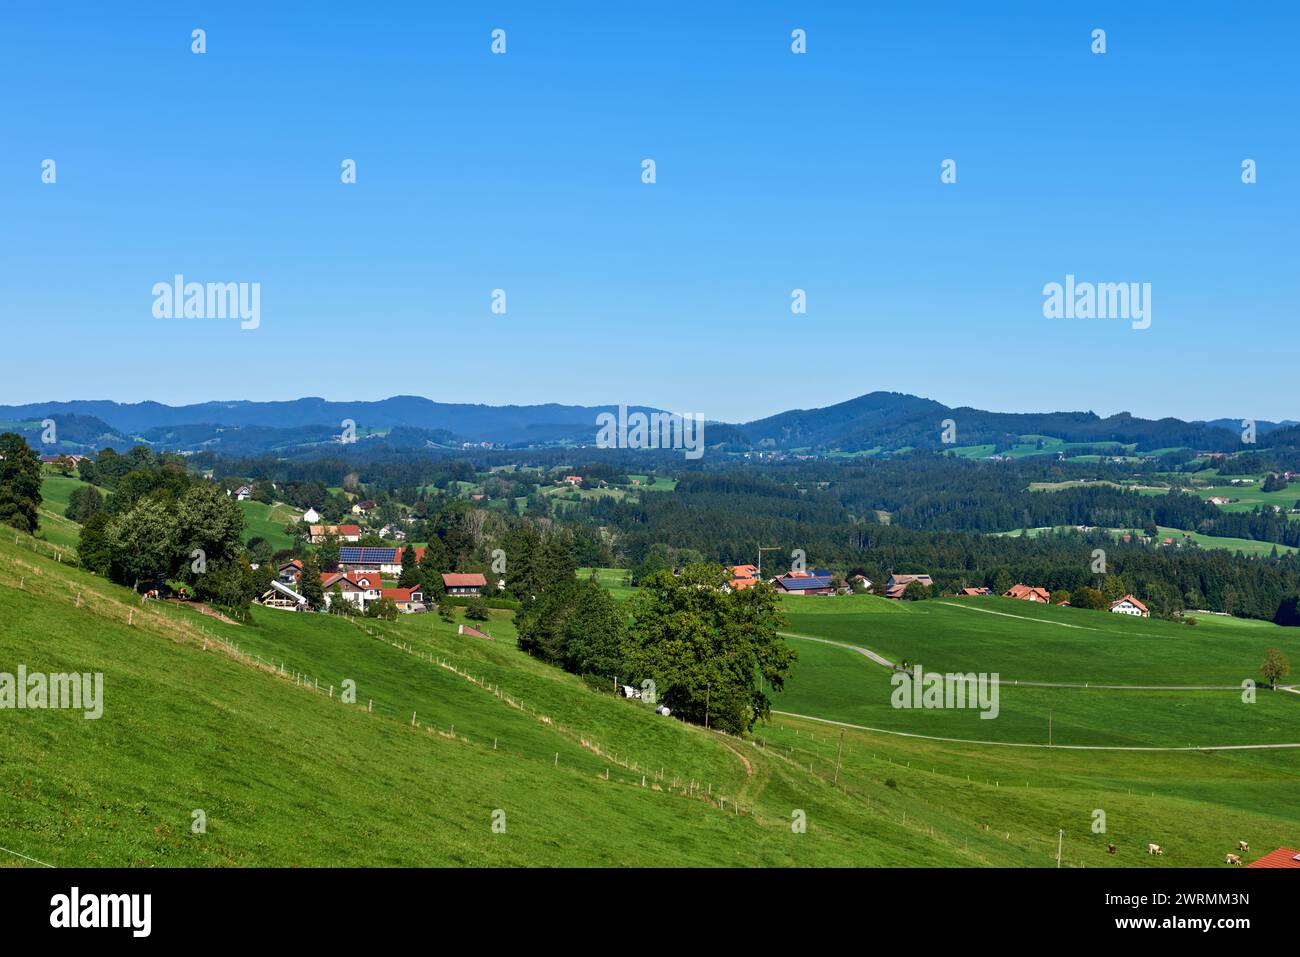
(816, 582)
(311, 516)
(349, 589)
(243, 493)
(395, 568)
(364, 507)
(1128, 605)
(380, 560)
(344, 533)
(573, 480)
(459, 584)
(1219, 500)
(291, 571)
(860, 581)
(897, 584)
(974, 592)
(742, 577)
(406, 599)
(1029, 593)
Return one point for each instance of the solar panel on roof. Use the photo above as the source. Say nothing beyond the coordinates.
(801, 584)
(357, 555)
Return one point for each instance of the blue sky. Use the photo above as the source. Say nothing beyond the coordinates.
(775, 171)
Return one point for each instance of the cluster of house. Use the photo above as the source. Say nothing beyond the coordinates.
(819, 582)
(317, 533)
(1128, 605)
(358, 578)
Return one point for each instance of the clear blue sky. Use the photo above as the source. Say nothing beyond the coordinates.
(775, 171)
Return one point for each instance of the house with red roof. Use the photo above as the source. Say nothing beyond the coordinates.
(1029, 593)
(349, 589)
(394, 568)
(344, 533)
(896, 585)
(464, 584)
(1128, 605)
(406, 599)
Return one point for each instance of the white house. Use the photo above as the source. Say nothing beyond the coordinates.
(244, 493)
(1128, 605)
(359, 593)
(311, 516)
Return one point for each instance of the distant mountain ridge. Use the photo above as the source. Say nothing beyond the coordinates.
(887, 421)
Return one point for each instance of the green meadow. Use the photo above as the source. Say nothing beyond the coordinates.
(440, 735)
(268, 522)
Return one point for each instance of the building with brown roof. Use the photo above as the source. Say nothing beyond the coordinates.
(1029, 593)
(1128, 605)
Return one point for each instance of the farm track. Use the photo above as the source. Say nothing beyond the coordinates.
(1045, 747)
(1016, 682)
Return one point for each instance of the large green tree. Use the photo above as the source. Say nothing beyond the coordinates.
(712, 654)
(142, 544)
(20, 483)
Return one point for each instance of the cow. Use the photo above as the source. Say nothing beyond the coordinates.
(1155, 849)
(1233, 859)
(1110, 848)
(1243, 845)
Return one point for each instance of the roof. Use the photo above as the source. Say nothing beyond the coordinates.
(744, 571)
(804, 582)
(1129, 598)
(908, 579)
(400, 552)
(1024, 591)
(334, 529)
(367, 555)
(329, 579)
(974, 591)
(1282, 857)
(401, 594)
(463, 581)
(738, 583)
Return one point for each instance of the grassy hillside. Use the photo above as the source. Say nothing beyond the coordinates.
(288, 775)
(268, 521)
(55, 528)
(203, 714)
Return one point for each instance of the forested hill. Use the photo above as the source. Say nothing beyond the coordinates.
(885, 421)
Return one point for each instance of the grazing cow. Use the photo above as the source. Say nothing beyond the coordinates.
(1243, 845)
(1155, 849)
(1110, 848)
(1233, 859)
